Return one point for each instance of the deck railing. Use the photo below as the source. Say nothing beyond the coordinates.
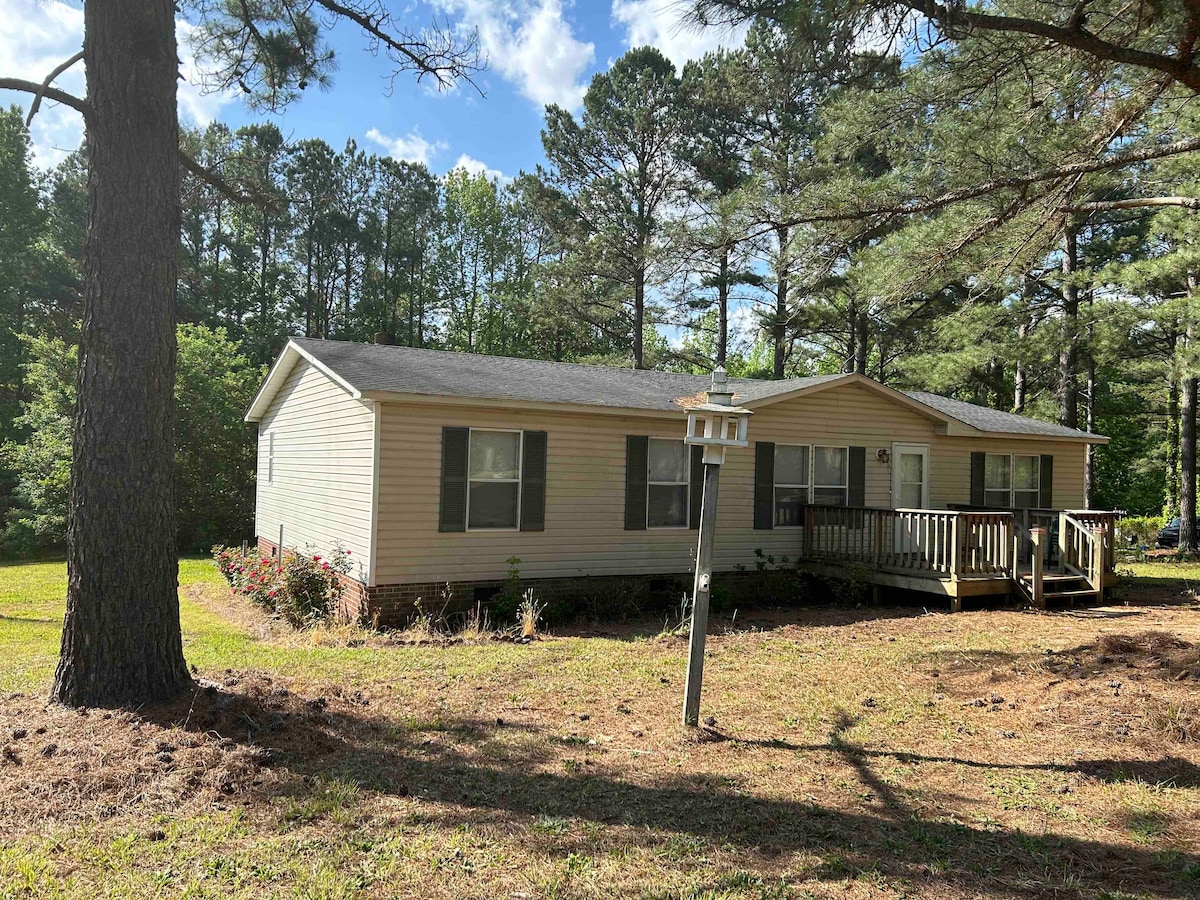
(920, 542)
(963, 543)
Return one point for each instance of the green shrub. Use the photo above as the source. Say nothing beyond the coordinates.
(1139, 531)
(302, 589)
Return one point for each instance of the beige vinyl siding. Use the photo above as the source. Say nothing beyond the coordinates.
(950, 467)
(585, 486)
(323, 473)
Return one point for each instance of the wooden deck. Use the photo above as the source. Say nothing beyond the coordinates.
(1046, 556)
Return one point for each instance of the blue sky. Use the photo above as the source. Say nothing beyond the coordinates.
(538, 52)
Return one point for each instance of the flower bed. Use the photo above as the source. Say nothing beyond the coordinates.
(302, 589)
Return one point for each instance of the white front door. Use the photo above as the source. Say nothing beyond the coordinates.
(910, 490)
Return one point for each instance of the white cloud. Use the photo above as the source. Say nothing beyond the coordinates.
(410, 147)
(195, 105)
(37, 35)
(34, 38)
(475, 167)
(531, 44)
(659, 23)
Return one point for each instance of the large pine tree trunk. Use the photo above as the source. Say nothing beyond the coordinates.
(639, 318)
(1068, 353)
(1187, 465)
(723, 308)
(1187, 437)
(779, 325)
(121, 640)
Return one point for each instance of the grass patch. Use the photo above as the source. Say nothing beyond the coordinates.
(872, 753)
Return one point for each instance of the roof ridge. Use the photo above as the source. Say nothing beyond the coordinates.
(546, 362)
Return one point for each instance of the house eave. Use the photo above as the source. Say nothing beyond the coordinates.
(278, 373)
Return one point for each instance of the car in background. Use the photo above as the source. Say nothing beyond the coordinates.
(1168, 538)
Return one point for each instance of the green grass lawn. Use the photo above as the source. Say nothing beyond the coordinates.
(856, 753)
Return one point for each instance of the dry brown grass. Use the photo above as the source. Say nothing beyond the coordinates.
(856, 753)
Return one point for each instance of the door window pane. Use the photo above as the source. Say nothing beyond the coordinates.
(493, 504)
(791, 465)
(911, 495)
(667, 506)
(912, 468)
(495, 454)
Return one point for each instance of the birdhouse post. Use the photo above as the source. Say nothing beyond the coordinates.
(714, 425)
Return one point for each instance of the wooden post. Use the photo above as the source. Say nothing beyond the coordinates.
(1037, 538)
(1097, 561)
(279, 546)
(700, 595)
(1062, 540)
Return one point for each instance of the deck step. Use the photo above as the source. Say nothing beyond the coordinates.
(1052, 579)
(1056, 595)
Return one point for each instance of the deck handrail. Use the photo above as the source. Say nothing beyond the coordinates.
(1084, 547)
(933, 543)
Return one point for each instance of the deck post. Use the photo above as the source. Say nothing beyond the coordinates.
(1062, 540)
(1037, 538)
(1099, 534)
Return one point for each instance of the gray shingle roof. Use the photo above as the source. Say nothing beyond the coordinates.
(986, 419)
(373, 367)
(439, 373)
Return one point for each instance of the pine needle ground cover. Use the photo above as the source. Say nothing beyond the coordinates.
(855, 753)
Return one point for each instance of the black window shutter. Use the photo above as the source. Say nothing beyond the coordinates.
(637, 450)
(978, 467)
(697, 487)
(764, 485)
(533, 482)
(858, 477)
(454, 479)
(1046, 487)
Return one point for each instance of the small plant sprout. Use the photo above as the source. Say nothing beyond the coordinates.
(529, 613)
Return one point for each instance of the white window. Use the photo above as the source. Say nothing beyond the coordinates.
(806, 474)
(494, 479)
(1011, 482)
(792, 466)
(270, 457)
(668, 485)
(1027, 478)
(831, 476)
(997, 480)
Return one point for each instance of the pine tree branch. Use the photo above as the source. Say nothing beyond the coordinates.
(44, 90)
(58, 70)
(1192, 203)
(446, 64)
(932, 204)
(1073, 35)
(223, 187)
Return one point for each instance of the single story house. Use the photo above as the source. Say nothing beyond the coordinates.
(437, 468)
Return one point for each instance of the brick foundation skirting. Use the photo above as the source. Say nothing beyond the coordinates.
(394, 605)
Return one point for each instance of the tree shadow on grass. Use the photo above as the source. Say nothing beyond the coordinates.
(479, 777)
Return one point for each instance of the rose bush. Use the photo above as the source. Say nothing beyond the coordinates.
(302, 588)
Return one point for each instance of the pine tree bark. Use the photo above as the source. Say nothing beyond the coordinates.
(779, 325)
(1068, 354)
(723, 308)
(1187, 466)
(1172, 476)
(121, 638)
(1187, 436)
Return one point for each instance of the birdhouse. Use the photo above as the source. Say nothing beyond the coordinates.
(717, 424)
